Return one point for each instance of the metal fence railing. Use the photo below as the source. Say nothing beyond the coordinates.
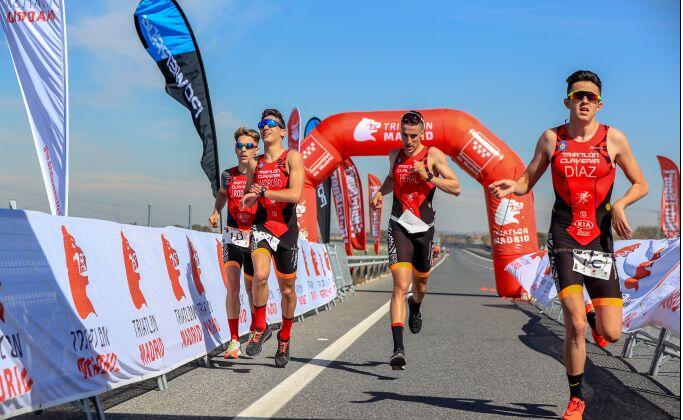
(366, 267)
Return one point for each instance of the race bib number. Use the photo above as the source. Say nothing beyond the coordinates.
(237, 237)
(412, 223)
(263, 236)
(593, 263)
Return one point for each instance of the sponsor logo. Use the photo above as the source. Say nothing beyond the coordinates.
(562, 146)
(221, 264)
(672, 302)
(303, 254)
(642, 271)
(151, 351)
(130, 262)
(77, 271)
(316, 156)
(98, 365)
(195, 268)
(31, 16)
(322, 197)
(172, 263)
(582, 197)
(365, 129)
(294, 131)
(584, 224)
(314, 260)
(327, 260)
(14, 382)
(508, 211)
(478, 152)
(172, 66)
(622, 252)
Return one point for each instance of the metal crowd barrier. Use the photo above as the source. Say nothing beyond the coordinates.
(341, 271)
(663, 349)
(366, 267)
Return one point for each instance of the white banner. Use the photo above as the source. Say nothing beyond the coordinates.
(89, 305)
(36, 35)
(649, 273)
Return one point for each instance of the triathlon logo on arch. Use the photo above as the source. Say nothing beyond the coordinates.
(508, 211)
(132, 266)
(365, 129)
(77, 271)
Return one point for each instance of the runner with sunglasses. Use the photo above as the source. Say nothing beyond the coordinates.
(276, 182)
(237, 233)
(415, 171)
(582, 155)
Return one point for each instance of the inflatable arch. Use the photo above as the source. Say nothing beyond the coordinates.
(472, 146)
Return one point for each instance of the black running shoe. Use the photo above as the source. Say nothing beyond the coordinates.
(255, 344)
(398, 360)
(414, 318)
(282, 353)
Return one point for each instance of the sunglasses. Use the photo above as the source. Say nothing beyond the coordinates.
(270, 123)
(578, 95)
(248, 146)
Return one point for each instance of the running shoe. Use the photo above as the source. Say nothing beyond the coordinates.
(600, 341)
(233, 351)
(398, 360)
(282, 353)
(574, 409)
(414, 319)
(255, 344)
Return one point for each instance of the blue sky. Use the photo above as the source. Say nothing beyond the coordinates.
(503, 62)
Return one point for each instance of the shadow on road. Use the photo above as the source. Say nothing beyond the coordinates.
(434, 293)
(466, 404)
(613, 388)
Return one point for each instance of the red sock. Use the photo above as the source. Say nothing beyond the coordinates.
(260, 318)
(234, 324)
(286, 329)
(253, 321)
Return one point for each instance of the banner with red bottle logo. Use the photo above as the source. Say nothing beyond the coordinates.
(89, 305)
(670, 209)
(354, 203)
(374, 185)
(294, 130)
(649, 272)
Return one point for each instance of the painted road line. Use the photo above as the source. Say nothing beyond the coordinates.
(478, 256)
(269, 404)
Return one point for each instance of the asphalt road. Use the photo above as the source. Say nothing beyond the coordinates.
(478, 356)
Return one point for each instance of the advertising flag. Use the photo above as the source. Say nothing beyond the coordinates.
(354, 202)
(374, 185)
(166, 35)
(670, 210)
(338, 181)
(294, 130)
(36, 36)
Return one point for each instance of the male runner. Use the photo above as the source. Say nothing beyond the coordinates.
(582, 155)
(237, 234)
(276, 181)
(415, 171)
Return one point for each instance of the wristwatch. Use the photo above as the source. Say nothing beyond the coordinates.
(430, 175)
(263, 192)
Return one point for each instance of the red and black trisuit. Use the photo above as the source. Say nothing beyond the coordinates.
(583, 177)
(238, 227)
(276, 220)
(413, 193)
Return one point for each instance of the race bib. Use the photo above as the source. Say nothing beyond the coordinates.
(412, 223)
(237, 237)
(592, 263)
(263, 236)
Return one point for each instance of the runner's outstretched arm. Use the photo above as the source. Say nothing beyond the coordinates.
(249, 199)
(293, 193)
(533, 172)
(639, 187)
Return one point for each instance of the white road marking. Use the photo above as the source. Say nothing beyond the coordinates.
(478, 256)
(269, 404)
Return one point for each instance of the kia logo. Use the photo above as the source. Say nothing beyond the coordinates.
(584, 224)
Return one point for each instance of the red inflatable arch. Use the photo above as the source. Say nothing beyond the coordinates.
(472, 146)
